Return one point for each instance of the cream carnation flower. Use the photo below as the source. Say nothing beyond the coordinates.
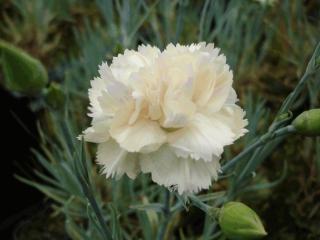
(167, 113)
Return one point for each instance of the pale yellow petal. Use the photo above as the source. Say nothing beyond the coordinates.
(233, 116)
(97, 133)
(124, 65)
(221, 90)
(115, 161)
(142, 136)
(182, 174)
(204, 138)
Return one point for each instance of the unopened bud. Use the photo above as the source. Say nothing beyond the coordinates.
(308, 123)
(22, 73)
(238, 221)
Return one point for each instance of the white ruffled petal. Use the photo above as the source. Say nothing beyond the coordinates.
(221, 91)
(115, 161)
(177, 113)
(205, 79)
(117, 90)
(97, 133)
(149, 52)
(182, 174)
(105, 72)
(204, 138)
(142, 136)
(98, 86)
(124, 65)
(232, 97)
(177, 104)
(210, 49)
(234, 117)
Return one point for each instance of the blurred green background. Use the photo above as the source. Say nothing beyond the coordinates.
(267, 44)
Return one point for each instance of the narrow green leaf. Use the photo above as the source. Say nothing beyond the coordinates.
(75, 232)
(51, 192)
(157, 207)
(211, 196)
(115, 225)
(261, 186)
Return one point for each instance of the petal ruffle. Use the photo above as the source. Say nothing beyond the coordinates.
(177, 105)
(204, 138)
(182, 174)
(131, 61)
(221, 91)
(142, 136)
(97, 133)
(234, 117)
(98, 88)
(115, 161)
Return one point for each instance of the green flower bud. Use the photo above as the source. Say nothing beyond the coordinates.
(308, 123)
(238, 221)
(54, 95)
(22, 73)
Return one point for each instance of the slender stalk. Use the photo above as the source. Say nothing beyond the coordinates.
(312, 67)
(81, 172)
(198, 203)
(233, 161)
(294, 94)
(248, 166)
(166, 216)
(89, 195)
(99, 216)
(262, 140)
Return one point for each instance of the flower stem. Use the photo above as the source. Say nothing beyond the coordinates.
(166, 216)
(262, 140)
(294, 94)
(198, 203)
